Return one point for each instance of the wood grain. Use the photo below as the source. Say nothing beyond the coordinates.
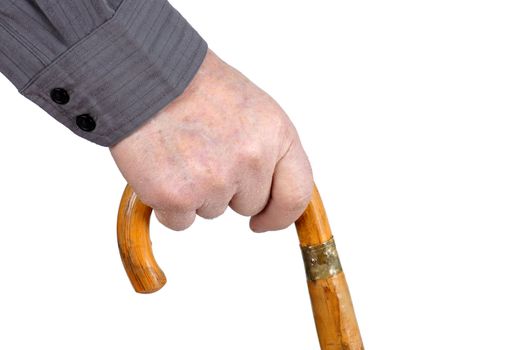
(334, 315)
(134, 244)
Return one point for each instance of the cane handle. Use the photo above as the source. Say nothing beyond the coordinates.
(334, 315)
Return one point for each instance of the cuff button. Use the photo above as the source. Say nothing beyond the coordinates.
(59, 95)
(86, 122)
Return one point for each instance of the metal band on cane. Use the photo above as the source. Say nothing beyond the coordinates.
(334, 314)
(321, 261)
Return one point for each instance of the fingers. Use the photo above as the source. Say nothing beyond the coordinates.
(273, 196)
(215, 205)
(290, 193)
(180, 211)
(177, 221)
(252, 197)
(211, 211)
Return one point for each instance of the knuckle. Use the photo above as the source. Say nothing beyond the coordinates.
(178, 198)
(181, 226)
(211, 213)
(217, 181)
(252, 156)
(207, 215)
(156, 197)
(174, 221)
(183, 199)
(244, 210)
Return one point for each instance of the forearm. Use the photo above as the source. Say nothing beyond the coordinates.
(214, 139)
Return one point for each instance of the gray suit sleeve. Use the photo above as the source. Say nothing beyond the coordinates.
(100, 67)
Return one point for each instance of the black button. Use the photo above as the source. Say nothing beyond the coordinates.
(60, 96)
(86, 122)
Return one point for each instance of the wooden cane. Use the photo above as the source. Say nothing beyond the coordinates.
(333, 311)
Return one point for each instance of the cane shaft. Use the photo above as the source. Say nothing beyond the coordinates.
(331, 303)
(334, 314)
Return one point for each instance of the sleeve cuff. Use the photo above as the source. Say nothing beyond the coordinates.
(122, 73)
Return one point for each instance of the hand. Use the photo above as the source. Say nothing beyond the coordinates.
(222, 142)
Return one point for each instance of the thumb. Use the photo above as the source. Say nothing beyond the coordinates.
(291, 190)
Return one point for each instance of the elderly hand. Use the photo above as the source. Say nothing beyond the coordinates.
(222, 142)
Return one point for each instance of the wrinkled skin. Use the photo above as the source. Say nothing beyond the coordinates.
(222, 142)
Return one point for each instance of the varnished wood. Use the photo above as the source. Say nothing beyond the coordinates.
(334, 315)
(313, 227)
(135, 245)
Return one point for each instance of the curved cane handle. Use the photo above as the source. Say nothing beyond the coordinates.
(331, 302)
(134, 244)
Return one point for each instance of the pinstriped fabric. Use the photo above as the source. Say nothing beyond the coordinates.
(46, 28)
(73, 19)
(120, 60)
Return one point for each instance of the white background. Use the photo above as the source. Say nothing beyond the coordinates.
(412, 113)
